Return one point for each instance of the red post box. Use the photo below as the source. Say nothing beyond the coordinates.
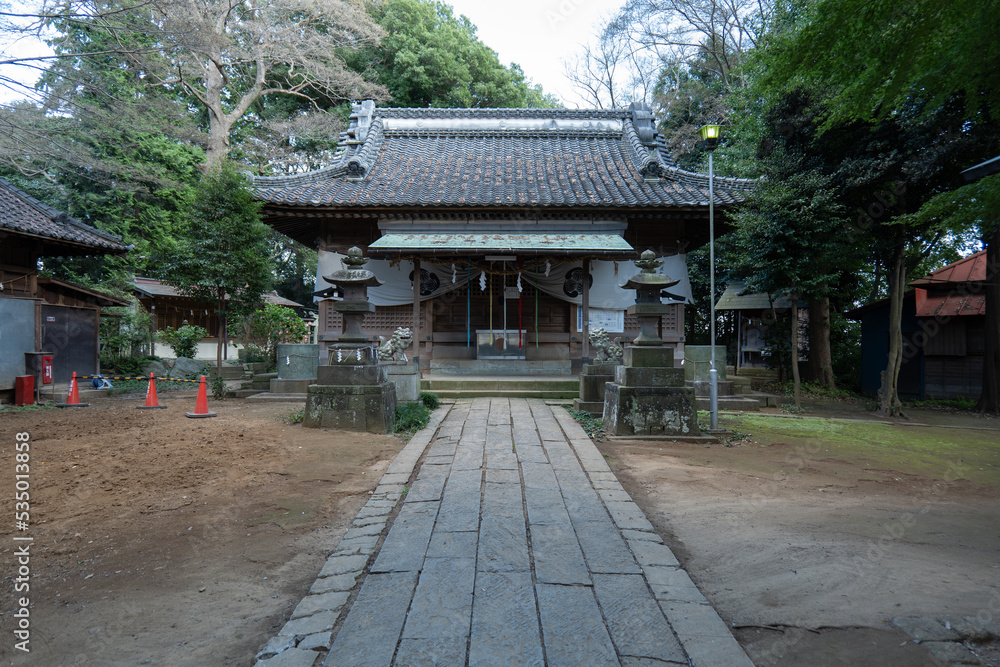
(47, 369)
(24, 390)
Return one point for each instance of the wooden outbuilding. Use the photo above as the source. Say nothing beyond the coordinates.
(43, 314)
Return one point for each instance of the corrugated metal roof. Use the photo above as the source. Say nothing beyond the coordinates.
(731, 299)
(967, 269)
(949, 304)
(455, 244)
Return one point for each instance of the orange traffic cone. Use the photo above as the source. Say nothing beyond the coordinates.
(73, 400)
(201, 405)
(151, 400)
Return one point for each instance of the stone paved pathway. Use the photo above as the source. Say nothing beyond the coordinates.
(514, 545)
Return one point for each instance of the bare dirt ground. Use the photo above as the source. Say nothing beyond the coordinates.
(164, 540)
(810, 534)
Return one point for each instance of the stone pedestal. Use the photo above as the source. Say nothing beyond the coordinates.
(297, 364)
(352, 392)
(405, 375)
(698, 361)
(593, 378)
(648, 396)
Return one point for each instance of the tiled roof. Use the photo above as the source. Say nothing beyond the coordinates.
(22, 214)
(154, 288)
(499, 158)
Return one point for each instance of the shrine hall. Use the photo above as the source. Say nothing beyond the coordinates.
(501, 236)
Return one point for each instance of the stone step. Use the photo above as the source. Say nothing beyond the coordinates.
(267, 397)
(500, 367)
(456, 394)
(229, 371)
(437, 384)
(737, 403)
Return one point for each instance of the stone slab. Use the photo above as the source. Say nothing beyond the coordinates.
(343, 565)
(505, 627)
(317, 642)
(453, 544)
(603, 548)
(308, 625)
(404, 547)
(339, 582)
(557, 555)
(635, 621)
(313, 604)
(293, 657)
(441, 652)
(374, 623)
(573, 628)
(503, 544)
(442, 604)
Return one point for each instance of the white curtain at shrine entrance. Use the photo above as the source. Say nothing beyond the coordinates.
(564, 280)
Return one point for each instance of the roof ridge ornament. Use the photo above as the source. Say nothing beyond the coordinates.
(644, 122)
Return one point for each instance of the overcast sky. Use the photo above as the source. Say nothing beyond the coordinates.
(538, 35)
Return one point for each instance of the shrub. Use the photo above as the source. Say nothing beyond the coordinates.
(266, 327)
(410, 418)
(132, 366)
(218, 387)
(184, 339)
(430, 400)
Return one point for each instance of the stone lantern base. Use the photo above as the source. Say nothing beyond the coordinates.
(648, 396)
(351, 393)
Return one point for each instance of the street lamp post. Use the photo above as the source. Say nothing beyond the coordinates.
(710, 133)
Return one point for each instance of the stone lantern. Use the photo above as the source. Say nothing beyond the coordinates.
(352, 390)
(648, 307)
(648, 396)
(354, 280)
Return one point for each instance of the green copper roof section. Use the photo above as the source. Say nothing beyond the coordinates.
(520, 244)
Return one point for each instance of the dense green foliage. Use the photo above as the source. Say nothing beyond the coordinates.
(223, 257)
(267, 326)
(430, 400)
(431, 58)
(410, 418)
(183, 340)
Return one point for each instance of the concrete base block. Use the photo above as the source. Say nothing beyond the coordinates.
(291, 386)
(651, 411)
(592, 386)
(704, 388)
(406, 377)
(367, 408)
(593, 407)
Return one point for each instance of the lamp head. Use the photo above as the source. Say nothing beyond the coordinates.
(710, 134)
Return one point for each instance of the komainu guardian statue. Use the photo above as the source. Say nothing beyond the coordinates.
(389, 349)
(608, 351)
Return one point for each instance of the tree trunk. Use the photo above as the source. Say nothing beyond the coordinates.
(889, 404)
(220, 309)
(820, 354)
(989, 399)
(796, 380)
(778, 355)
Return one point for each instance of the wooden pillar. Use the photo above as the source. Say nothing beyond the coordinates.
(586, 309)
(416, 308)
